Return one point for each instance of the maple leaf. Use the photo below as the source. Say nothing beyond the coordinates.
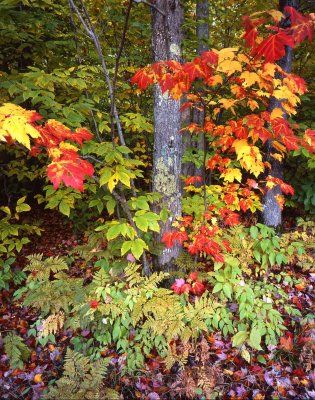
(180, 286)
(285, 188)
(280, 200)
(273, 47)
(230, 218)
(169, 238)
(302, 26)
(245, 204)
(198, 288)
(142, 78)
(286, 343)
(17, 124)
(194, 70)
(250, 78)
(281, 126)
(231, 174)
(229, 67)
(193, 179)
(210, 57)
(229, 198)
(276, 113)
(308, 141)
(290, 142)
(251, 32)
(70, 171)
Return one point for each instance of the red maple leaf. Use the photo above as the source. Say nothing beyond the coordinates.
(210, 57)
(192, 180)
(290, 142)
(142, 78)
(302, 26)
(194, 70)
(251, 32)
(198, 288)
(70, 171)
(273, 47)
(180, 286)
(281, 126)
(169, 238)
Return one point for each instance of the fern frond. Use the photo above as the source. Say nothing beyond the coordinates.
(42, 269)
(16, 350)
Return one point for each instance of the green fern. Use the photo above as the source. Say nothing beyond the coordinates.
(16, 350)
(81, 379)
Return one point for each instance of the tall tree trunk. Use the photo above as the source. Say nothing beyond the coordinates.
(202, 30)
(166, 40)
(272, 213)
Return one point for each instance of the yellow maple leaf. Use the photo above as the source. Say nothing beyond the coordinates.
(252, 104)
(276, 15)
(276, 113)
(278, 146)
(243, 58)
(15, 123)
(229, 67)
(227, 103)
(269, 69)
(284, 93)
(249, 156)
(277, 156)
(227, 53)
(19, 129)
(250, 78)
(231, 174)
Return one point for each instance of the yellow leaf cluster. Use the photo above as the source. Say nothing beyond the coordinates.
(15, 123)
(249, 156)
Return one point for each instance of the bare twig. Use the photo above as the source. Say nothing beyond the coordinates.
(151, 5)
(89, 28)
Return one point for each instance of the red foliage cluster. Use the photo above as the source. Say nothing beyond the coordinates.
(191, 285)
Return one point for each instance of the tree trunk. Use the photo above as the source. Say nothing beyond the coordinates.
(198, 116)
(167, 151)
(202, 30)
(272, 213)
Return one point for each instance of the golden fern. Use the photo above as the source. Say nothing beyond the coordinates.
(42, 269)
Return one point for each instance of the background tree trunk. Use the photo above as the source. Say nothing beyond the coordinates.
(202, 30)
(167, 152)
(272, 213)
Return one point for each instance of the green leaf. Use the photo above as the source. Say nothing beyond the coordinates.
(227, 289)
(261, 359)
(113, 232)
(138, 247)
(142, 223)
(257, 255)
(64, 208)
(245, 354)
(163, 215)
(239, 338)
(105, 175)
(126, 247)
(272, 259)
(21, 200)
(217, 288)
(253, 232)
(255, 338)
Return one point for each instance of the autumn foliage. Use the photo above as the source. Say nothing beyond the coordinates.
(248, 78)
(19, 125)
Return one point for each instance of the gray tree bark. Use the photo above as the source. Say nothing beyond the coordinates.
(167, 152)
(197, 116)
(202, 30)
(272, 213)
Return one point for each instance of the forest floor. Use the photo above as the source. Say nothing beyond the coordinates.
(285, 371)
